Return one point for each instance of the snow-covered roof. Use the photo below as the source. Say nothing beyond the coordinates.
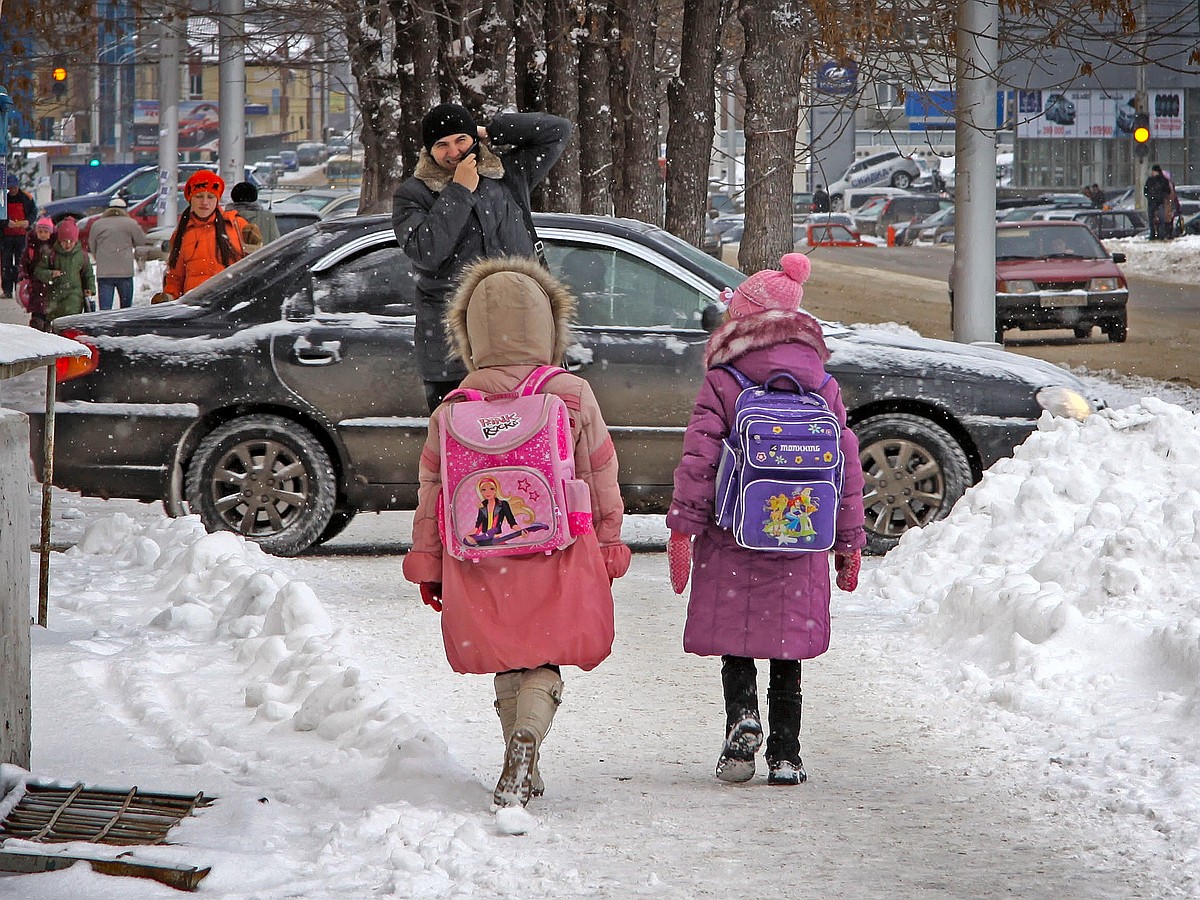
(23, 348)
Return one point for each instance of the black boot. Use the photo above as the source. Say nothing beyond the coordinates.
(784, 701)
(739, 680)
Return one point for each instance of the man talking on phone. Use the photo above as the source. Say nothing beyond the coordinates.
(468, 198)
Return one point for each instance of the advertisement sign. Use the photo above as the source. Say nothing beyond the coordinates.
(199, 124)
(1095, 114)
(837, 78)
(929, 110)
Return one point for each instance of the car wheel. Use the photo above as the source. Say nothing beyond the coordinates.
(337, 523)
(915, 472)
(901, 180)
(835, 203)
(1117, 331)
(266, 478)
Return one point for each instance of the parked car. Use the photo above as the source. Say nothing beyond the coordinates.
(938, 228)
(1105, 223)
(290, 160)
(144, 212)
(901, 209)
(329, 202)
(311, 153)
(137, 185)
(1056, 275)
(856, 198)
(889, 168)
(281, 397)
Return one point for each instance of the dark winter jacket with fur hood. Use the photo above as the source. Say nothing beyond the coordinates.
(442, 226)
(748, 602)
(515, 612)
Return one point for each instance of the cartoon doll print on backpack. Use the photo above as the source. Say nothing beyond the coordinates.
(508, 467)
(779, 481)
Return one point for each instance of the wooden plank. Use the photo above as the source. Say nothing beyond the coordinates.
(184, 878)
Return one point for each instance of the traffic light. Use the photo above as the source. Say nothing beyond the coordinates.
(1141, 134)
(59, 76)
(94, 159)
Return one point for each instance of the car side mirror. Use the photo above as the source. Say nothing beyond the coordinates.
(712, 316)
(1118, 257)
(712, 213)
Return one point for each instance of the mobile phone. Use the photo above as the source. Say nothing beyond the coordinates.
(475, 149)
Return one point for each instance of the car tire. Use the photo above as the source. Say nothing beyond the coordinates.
(301, 482)
(915, 472)
(1117, 330)
(901, 180)
(341, 518)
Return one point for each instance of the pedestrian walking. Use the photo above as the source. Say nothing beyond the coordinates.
(1157, 190)
(749, 604)
(22, 210)
(467, 199)
(207, 239)
(31, 293)
(520, 618)
(67, 273)
(244, 201)
(113, 239)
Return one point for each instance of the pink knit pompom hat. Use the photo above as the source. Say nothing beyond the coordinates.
(770, 289)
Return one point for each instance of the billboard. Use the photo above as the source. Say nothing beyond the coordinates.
(199, 124)
(934, 110)
(1095, 114)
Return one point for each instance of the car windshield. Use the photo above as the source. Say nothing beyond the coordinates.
(1048, 242)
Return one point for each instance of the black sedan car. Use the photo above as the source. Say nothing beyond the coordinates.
(280, 397)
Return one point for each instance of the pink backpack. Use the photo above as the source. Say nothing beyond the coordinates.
(508, 473)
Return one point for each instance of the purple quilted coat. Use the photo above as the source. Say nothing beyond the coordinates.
(753, 603)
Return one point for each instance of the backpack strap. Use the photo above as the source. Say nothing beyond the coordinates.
(537, 379)
(741, 379)
(463, 394)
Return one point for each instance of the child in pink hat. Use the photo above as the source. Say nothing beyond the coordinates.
(751, 604)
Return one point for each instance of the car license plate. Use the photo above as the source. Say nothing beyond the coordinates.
(1055, 301)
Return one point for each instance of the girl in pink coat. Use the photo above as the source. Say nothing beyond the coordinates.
(522, 617)
(755, 604)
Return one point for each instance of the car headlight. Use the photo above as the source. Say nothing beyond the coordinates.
(1017, 287)
(1065, 402)
(1105, 284)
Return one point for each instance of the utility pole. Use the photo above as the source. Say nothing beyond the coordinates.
(232, 91)
(168, 118)
(1141, 161)
(975, 171)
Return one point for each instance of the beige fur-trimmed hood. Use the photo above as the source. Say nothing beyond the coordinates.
(510, 311)
(436, 178)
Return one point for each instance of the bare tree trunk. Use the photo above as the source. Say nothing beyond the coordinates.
(561, 190)
(770, 70)
(530, 71)
(416, 68)
(371, 62)
(690, 104)
(593, 132)
(487, 86)
(638, 185)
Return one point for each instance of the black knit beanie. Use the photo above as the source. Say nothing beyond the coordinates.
(243, 192)
(446, 119)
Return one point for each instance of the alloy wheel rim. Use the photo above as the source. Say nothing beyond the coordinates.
(905, 486)
(259, 487)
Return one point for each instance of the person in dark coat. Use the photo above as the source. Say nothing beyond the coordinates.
(820, 200)
(466, 200)
(755, 604)
(22, 213)
(243, 198)
(1157, 189)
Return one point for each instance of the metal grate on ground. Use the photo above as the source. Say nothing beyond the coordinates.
(56, 814)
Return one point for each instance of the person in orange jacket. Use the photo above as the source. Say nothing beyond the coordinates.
(207, 240)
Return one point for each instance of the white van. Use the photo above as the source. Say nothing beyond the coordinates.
(853, 198)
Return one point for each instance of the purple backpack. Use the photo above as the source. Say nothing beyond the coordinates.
(779, 481)
(508, 473)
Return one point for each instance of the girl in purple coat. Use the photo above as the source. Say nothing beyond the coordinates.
(754, 604)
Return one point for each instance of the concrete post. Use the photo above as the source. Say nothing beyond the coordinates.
(14, 589)
(232, 92)
(168, 117)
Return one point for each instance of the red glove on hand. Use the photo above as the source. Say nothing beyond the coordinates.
(847, 566)
(679, 559)
(431, 593)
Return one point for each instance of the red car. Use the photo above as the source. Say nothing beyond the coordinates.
(142, 212)
(1056, 275)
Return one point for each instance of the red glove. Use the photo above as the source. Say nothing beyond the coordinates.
(431, 593)
(679, 559)
(847, 566)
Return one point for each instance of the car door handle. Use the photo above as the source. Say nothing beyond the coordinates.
(322, 354)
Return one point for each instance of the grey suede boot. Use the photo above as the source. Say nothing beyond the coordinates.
(508, 685)
(538, 698)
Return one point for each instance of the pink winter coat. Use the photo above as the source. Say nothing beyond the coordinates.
(749, 602)
(519, 612)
